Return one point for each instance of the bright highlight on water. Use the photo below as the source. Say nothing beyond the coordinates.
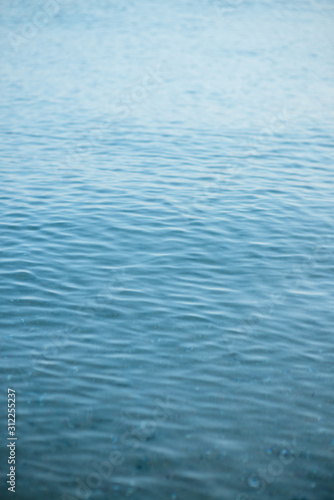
(167, 250)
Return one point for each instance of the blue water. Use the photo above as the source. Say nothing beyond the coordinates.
(167, 249)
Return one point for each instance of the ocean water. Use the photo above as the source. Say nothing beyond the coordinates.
(167, 249)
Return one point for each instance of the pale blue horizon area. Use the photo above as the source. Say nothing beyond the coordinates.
(166, 302)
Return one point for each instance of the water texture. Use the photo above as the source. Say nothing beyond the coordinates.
(167, 248)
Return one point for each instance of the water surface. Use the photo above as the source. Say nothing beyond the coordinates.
(167, 248)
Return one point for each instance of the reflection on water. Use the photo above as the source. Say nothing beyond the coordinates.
(167, 248)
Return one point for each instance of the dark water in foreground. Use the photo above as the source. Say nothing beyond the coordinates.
(167, 249)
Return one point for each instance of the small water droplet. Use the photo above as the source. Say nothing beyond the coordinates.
(254, 481)
(285, 453)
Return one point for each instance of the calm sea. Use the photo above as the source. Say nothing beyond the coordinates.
(167, 249)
